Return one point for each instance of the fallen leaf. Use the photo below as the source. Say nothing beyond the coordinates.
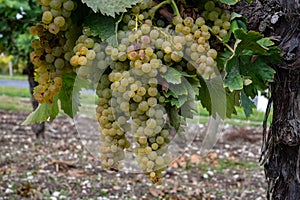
(76, 172)
(195, 158)
(212, 155)
(116, 187)
(156, 192)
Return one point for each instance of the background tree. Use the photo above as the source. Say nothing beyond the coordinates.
(16, 18)
(281, 147)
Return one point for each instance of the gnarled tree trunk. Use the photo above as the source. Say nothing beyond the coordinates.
(281, 145)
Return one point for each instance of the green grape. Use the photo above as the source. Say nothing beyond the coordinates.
(143, 106)
(146, 67)
(186, 30)
(68, 5)
(179, 27)
(59, 21)
(91, 55)
(145, 28)
(218, 22)
(226, 25)
(160, 140)
(200, 21)
(213, 16)
(59, 63)
(53, 28)
(141, 91)
(154, 34)
(209, 6)
(225, 16)
(49, 58)
(47, 17)
(223, 33)
(177, 20)
(55, 4)
(215, 30)
(188, 21)
(212, 53)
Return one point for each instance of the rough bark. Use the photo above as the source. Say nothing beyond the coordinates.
(281, 145)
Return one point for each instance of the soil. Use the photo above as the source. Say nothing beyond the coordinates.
(60, 167)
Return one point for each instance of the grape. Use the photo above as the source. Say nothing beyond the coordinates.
(209, 6)
(226, 25)
(68, 5)
(186, 30)
(177, 20)
(223, 33)
(54, 29)
(59, 21)
(59, 63)
(213, 16)
(188, 21)
(47, 17)
(200, 21)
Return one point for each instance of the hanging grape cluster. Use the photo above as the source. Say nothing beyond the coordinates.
(131, 89)
(54, 48)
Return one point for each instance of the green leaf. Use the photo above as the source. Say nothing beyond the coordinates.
(229, 2)
(70, 94)
(234, 80)
(189, 109)
(102, 26)
(110, 7)
(194, 84)
(247, 104)
(265, 42)
(222, 58)
(259, 72)
(172, 76)
(178, 102)
(43, 113)
(248, 41)
(178, 90)
(232, 100)
(175, 119)
(213, 97)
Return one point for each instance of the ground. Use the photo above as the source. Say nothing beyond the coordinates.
(59, 167)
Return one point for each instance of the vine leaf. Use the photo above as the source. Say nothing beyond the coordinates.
(247, 104)
(110, 7)
(234, 80)
(172, 76)
(100, 25)
(248, 41)
(213, 97)
(175, 119)
(229, 2)
(70, 94)
(232, 100)
(43, 113)
(258, 72)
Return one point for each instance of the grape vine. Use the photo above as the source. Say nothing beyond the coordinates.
(151, 67)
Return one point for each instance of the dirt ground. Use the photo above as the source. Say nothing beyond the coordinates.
(59, 167)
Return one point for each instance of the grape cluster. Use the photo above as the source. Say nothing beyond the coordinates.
(134, 95)
(131, 98)
(54, 48)
(219, 18)
(131, 88)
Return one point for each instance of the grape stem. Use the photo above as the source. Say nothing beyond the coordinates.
(226, 45)
(173, 4)
(158, 6)
(175, 8)
(136, 22)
